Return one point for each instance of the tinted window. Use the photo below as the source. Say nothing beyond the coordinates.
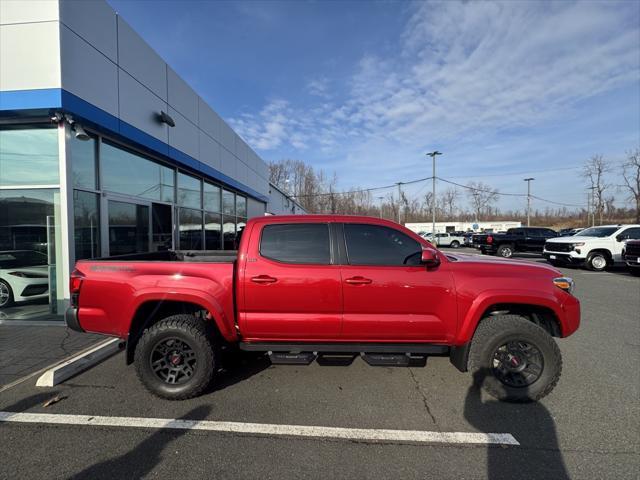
(377, 245)
(296, 243)
(631, 234)
(83, 162)
(189, 191)
(600, 232)
(17, 259)
(29, 156)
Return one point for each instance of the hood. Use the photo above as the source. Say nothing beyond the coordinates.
(575, 239)
(488, 260)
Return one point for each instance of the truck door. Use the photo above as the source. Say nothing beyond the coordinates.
(388, 294)
(291, 286)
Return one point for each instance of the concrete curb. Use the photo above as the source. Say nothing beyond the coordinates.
(79, 363)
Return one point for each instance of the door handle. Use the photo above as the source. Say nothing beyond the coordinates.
(263, 279)
(358, 281)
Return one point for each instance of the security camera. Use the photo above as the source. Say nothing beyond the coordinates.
(80, 133)
(57, 117)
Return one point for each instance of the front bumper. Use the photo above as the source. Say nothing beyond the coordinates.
(71, 318)
(570, 258)
(632, 261)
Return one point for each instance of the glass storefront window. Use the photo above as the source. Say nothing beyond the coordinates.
(229, 233)
(190, 229)
(29, 156)
(128, 228)
(228, 202)
(212, 231)
(211, 197)
(241, 206)
(125, 172)
(86, 213)
(83, 162)
(29, 229)
(189, 191)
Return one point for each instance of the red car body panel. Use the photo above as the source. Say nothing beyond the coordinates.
(277, 301)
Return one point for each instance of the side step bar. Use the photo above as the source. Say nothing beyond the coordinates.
(400, 348)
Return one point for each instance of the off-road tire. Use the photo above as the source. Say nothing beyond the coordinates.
(495, 331)
(187, 329)
(9, 302)
(505, 251)
(595, 257)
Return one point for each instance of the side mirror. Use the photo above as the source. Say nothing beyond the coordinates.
(620, 238)
(429, 258)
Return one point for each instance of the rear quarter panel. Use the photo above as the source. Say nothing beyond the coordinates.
(112, 292)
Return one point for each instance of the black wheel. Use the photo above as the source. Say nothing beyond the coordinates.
(505, 251)
(514, 360)
(597, 261)
(455, 244)
(6, 294)
(174, 358)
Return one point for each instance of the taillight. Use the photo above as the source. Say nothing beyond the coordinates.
(75, 282)
(489, 239)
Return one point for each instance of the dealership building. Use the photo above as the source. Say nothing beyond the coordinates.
(105, 150)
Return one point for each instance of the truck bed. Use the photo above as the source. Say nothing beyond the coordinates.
(200, 256)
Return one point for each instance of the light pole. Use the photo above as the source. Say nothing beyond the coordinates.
(593, 204)
(380, 198)
(433, 199)
(528, 180)
(399, 199)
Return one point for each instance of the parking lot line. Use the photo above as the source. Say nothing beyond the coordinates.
(361, 434)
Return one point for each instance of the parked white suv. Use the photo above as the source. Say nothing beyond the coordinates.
(448, 240)
(595, 247)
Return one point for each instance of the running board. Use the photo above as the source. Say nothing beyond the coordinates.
(286, 358)
(415, 348)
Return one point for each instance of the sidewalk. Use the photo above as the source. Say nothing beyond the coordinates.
(25, 349)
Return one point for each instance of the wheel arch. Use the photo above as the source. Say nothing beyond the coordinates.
(151, 311)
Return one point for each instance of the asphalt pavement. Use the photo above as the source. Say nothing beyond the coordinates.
(588, 427)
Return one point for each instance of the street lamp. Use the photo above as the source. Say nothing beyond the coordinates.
(528, 180)
(433, 206)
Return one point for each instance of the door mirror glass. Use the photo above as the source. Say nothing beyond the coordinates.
(621, 237)
(430, 258)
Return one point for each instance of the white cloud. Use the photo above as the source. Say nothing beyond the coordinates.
(462, 70)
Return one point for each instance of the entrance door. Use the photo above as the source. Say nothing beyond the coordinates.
(128, 227)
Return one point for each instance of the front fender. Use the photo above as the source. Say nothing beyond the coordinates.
(488, 298)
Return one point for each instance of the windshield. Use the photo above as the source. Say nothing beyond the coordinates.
(21, 258)
(597, 232)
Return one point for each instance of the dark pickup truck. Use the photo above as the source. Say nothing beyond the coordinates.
(522, 239)
(631, 256)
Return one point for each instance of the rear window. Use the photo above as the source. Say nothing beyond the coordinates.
(297, 243)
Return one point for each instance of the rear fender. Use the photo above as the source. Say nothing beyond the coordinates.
(488, 298)
(224, 320)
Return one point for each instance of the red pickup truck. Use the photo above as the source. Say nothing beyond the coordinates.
(303, 287)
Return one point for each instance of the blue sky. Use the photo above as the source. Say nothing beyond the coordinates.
(505, 90)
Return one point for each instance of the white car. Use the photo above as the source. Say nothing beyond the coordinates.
(24, 275)
(447, 240)
(596, 247)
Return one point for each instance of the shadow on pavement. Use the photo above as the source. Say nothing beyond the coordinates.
(33, 401)
(538, 455)
(237, 366)
(140, 461)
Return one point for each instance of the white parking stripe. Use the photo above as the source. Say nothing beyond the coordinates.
(363, 434)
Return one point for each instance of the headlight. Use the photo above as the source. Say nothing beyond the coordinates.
(564, 283)
(27, 275)
(578, 244)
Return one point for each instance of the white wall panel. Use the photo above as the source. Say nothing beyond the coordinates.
(26, 11)
(30, 56)
(181, 96)
(184, 136)
(210, 151)
(87, 73)
(228, 165)
(227, 137)
(209, 121)
(139, 107)
(138, 59)
(255, 208)
(95, 21)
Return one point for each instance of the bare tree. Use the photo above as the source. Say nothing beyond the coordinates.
(449, 199)
(594, 171)
(631, 177)
(481, 197)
